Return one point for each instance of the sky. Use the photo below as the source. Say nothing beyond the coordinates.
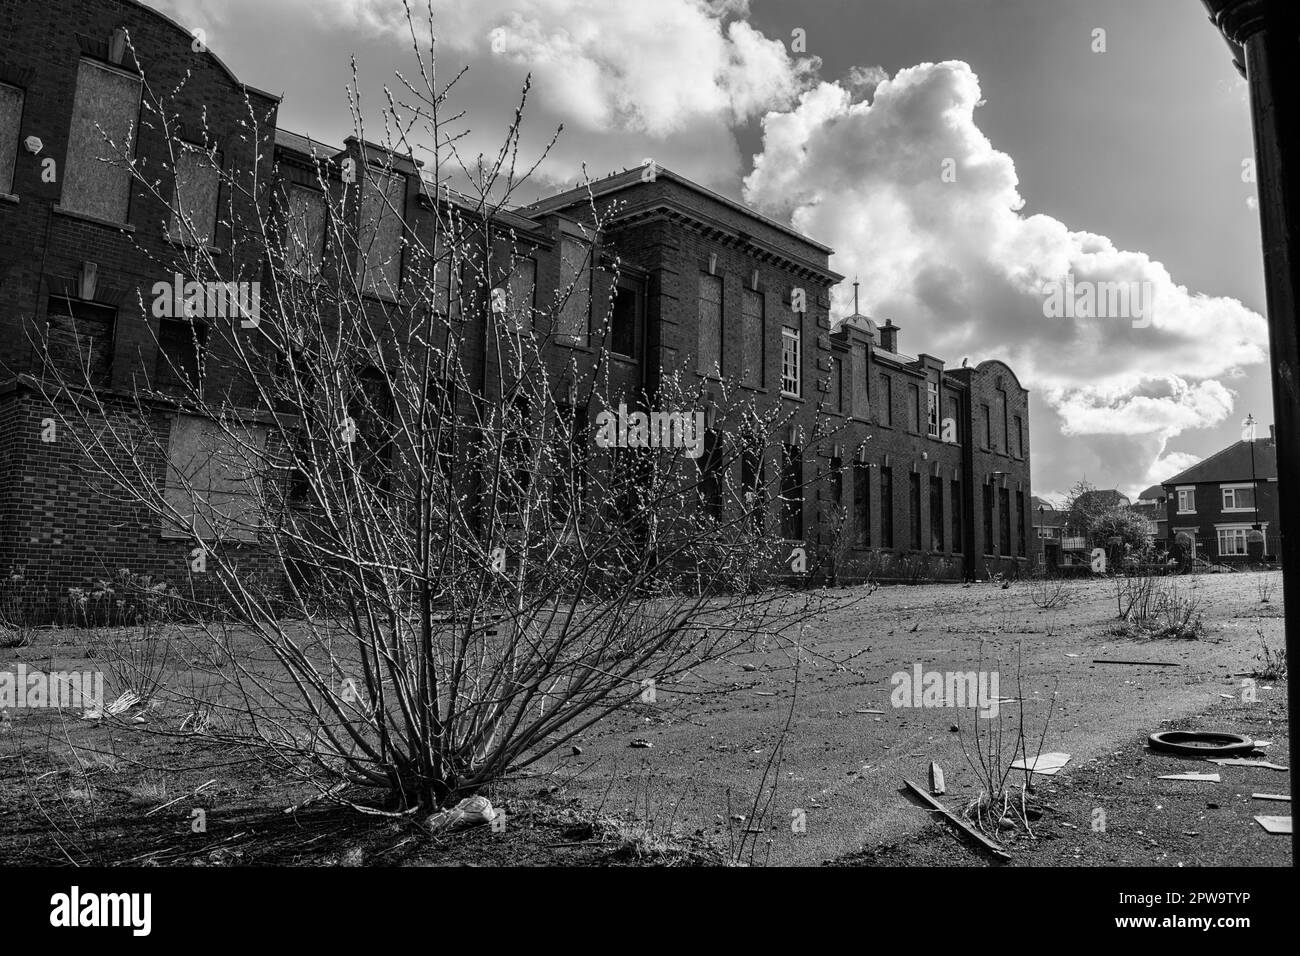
(961, 157)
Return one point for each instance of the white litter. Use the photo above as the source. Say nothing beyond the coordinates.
(1045, 764)
(470, 812)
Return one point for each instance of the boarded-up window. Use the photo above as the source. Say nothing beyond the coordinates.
(79, 344)
(913, 407)
(520, 289)
(837, 383)
(752, 309)
(11, 114)
(710, 327)
(575, 290)
(886, 401)
(180, 351)
(305, 232)
(212, 480)
(96, 177)
(194, 199)
(446, 275)
(383, 200)
(861, 396)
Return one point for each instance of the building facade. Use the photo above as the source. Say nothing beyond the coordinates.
(894, 465)
(1225, 509)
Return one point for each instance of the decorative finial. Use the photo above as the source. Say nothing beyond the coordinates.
(855, 296)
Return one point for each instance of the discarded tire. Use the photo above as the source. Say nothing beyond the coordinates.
(1200, 743)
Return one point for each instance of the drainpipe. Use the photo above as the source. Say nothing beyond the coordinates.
(1263, 36)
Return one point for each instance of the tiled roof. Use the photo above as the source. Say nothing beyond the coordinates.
(304, 144)
(1231, 464)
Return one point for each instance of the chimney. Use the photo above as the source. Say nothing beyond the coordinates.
(889, 336)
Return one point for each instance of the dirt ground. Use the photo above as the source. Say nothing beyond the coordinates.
(74, 791)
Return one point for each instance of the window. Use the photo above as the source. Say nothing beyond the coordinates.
(987, 422)
(622, 320)
(1238, 497)
(304, 248)
(862, 506)
(1020, 523)
(370, 407)
(861, 388)
(709, 306)
(886, 400)
(11, 115)
(913, 407)
(791, 493)
(887, 507)
(180, 355)
(1018, 435)
(954, 488)
(955, 417)
(1186, 501)
(521, 289)
(96, 178)
(212, 479)
(446, 275)
(837, 482)
(837, 384)
(1004, 522)
(196, 183)
(936, 513)
(914, 508)
(710, 465)
(574, 319)
(79, 342)
(988, 519)
(569, 488)
(383, 203)
(751, 481)
(1233, 542)
(790, 359)
(1000, 420)
(753, 315)
(932, 408)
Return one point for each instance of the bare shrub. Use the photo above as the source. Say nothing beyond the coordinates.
(1273, 663)
(1048, 592)
(441, 576)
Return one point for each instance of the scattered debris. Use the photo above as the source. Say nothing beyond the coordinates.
(642, 743)
(470, 812)
(575, 750)
(1271, 796)
(1201, 743)
(1239, 762)
(1206, 777)
(765, 693)
(1071, 655)
(1045, 764)
(936, 779)
(1275, 824)
(868, 711)
(961, 824)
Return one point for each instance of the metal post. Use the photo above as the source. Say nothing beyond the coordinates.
(1264, 37)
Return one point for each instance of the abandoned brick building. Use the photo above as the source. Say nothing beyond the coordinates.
(933, 461)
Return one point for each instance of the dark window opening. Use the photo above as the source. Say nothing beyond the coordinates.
(887, 507)
(988, 519)
(1004, 521)
(79, 344)
(862, 505)
(914, 508)
(957, 545)
(178, 367)
(622, 332)
(936, 514)
(791, 493)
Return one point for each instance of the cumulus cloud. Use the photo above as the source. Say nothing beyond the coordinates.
(922, 208)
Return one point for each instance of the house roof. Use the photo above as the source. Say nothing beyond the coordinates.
(1231, 464)
(1154, 493)
(303, 144)
(1102, 497)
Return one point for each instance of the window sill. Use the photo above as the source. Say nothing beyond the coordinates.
(8, 197)
(86, 217)
(754, 388)
(790, 396)
(185, 244)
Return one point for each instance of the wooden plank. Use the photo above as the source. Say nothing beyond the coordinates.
(1206, 777)
(1275, 824)
(1240, 762)
(961, 824)
(1271, 796)
(1142, 663)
